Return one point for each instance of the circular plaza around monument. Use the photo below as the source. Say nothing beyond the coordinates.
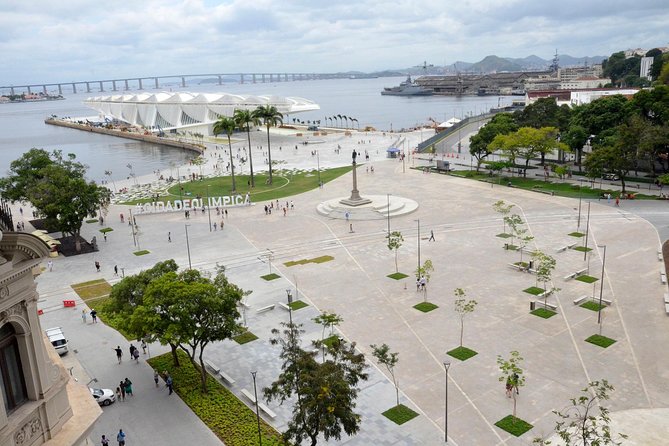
(379, 207)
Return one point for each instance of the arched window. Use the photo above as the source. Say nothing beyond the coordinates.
(12, 381)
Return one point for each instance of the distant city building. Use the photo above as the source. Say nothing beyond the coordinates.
(583, 83)
(635, 52)
(577, 97)
(646, 65)
(571, 73)
(192, 111)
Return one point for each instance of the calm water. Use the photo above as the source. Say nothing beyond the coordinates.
(22, 125)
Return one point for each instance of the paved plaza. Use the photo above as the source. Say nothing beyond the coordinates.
(376, 309)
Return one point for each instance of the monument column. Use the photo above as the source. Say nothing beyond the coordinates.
(355, 199)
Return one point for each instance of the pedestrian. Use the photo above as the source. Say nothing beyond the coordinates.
(350, 227)
(618, 200)
(417, 283)
(119, 353)
(423, 282)
(132, 349)
(155, 377)
(122, 220)
(292, 205)
(514, 382)
(169, 383)
(135, 355)
(226, 213)
(118, 393)
(121, 384)
(143, 347)
(104, 441)
(214, 226)
(128, 387)
(94, 316)
(284, 212)
(169, 237)
(83, 316)
(105, 236)
(431, 239)
(222, 223)
(120, 437)
(347, 215)
(97, 266)
(49, 264)
(116, 270)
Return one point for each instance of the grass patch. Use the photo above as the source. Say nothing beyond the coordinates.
(400, 414)
(576, 234)
(397, 276)
(297, 305)
(522, 264)
(543, 312)
(92, 289)
(601, 341)
(510, 247)
(504, 235)
(321, 259)
(244, 337)
(113, 320)
(462, 353)
(92, 220)
(143, 252)
(587, 279)
(106, 230)
(533, 290)
(513, 425)
(591, 305)
(269, 277)
(426, 307)
(230, 419)
(329, 341)
(582, 249)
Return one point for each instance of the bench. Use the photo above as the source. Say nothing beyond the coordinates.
(263, 309)
(570, 276)
(245, 305)
(262, 407)
(541, 304)
(544, 294)
(518, 267)
(581, 271)
(217, 371)
(576, 274)
(663, 278)
(581, 299)
(666, 298)
(284, 306)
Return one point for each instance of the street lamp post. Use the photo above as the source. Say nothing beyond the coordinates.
(418, 245)
(255, 391)
(447, 365)
(587, 231)
(289, 294)
(388, 214)
(318, 166)
(190, 266)
(601, 291)
(209, 207)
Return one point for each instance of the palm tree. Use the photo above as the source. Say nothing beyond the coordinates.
(340, 121)
(346, 119)
(270, 116)
(244, 119)
(227, 125)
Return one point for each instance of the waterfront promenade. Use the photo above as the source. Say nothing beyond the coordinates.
(377, 309)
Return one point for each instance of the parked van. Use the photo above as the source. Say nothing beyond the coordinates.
(57, 339)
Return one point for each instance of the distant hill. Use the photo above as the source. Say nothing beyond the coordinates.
(494, 63)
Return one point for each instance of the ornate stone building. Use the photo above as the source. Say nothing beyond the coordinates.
(40, 405)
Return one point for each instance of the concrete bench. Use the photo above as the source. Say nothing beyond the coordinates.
(544, 294)
(245, 305)
(540, 304)
(666, 308)
(570, 276)
(217, 371)
(581, 271)
(518, 267)
(581, 299)
(263, 309)
(666, 298)
(262, 406)
(663, 278)
(562, 248)
(284, 306)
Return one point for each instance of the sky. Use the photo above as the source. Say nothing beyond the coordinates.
(44, 41)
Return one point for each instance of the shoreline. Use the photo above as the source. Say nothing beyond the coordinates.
(150, 138)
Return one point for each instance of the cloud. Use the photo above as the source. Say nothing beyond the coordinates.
(47, 41)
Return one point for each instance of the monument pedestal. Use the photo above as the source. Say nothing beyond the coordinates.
(355, 199)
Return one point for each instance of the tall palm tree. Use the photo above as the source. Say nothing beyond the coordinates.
(340, 120)
(270, 116)
(345, 118)
(226, 124)
(244, 119)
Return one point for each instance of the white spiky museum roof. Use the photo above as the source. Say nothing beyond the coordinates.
(169, 110)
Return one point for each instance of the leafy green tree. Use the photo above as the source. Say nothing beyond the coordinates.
(512, 374)
(529, 142)
(500, 124)
(389, 360)
(543, 113)
(463, 307)
(544, 265)
(327, 320)
(663, 78)
(612, 158)
(514, 221)
(617, 67)
(576, 137)
(395, 241)
(270, 117)
(227, 125)
(585, 422)
(503, 209)
(523, 236)
(603, 114)
(425, 270)
(652, 104)
(244, 119)
(56, 187)
(325, 393)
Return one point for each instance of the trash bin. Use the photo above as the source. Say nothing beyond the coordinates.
(532, 305)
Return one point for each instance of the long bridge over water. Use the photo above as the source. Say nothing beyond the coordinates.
(141, 83)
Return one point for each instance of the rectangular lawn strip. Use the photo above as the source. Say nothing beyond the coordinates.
(106, 230)
(513, 425)
(581, 248)
(92, 289)
(321, 259)
(462, 353)
(522, 264)
(297, 304)
(92, 220)
(543, 312)
(143, 252)
(591, 305)
(576, 234)
(229, 418)
(329, 341)
(400, 414)
(510, 247)
(397, 276)
(269, 277)
(504, 235)
(587, 279)
(425, 307)
(244, 337)
(533, 290)
(601, 341)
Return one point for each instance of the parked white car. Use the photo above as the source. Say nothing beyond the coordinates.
(104, 397)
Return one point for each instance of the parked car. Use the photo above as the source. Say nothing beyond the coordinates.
(312, 128)
(611, 176)
(57, 339)
(104, 397)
